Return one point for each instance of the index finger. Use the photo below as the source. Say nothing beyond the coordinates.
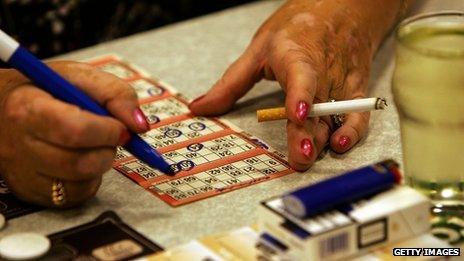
(110, 91)
(238, 79)
(301, 84)
(62, 124)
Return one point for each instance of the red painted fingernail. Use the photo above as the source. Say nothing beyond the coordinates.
(140, 119)
(302, 110)
(198, 98)
(124, 137)
(306, 147)
(344, 141)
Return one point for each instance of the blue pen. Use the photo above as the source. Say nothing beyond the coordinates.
(21, 59)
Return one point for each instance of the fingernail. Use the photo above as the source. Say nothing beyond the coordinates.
(344, 141)
(302, 111)
(198, 98)
(124, 137)
(140, 119)
(306, 147)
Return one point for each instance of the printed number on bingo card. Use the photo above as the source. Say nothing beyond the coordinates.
(181, 131)
(248, 170)
(146, 89)
(200, 153)
(162, 109)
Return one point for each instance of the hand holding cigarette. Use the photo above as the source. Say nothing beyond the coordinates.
(327, 108)
(316, 50)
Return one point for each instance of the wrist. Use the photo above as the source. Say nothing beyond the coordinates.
(376, 17)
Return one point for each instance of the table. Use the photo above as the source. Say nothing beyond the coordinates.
(191, 56)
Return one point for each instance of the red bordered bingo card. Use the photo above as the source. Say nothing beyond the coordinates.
(212, 156)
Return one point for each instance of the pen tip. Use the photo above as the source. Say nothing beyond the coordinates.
(169, 172)
(167, 169)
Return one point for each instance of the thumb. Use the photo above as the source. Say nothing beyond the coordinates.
(238, 79)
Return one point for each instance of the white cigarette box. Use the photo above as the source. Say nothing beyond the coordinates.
(388, 217)
(383, 253)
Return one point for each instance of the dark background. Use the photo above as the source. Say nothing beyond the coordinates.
(51, 27)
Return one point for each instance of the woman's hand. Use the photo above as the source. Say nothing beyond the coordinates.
(42, 138)
(317, 51)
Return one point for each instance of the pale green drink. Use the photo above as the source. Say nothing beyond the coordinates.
(428, 88)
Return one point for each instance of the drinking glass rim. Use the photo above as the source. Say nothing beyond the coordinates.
(429, 51)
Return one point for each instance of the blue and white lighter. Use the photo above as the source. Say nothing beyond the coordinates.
(343, 189)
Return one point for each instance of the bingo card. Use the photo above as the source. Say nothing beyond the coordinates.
(211, 156)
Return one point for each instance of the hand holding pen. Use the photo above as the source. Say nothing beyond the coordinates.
(52, 149)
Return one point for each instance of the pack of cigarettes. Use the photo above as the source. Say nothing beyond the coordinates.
(388, 217)
(385, 253)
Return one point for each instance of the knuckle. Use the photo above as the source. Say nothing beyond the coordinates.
(72, 134)
(131, 94)
(87, 166)
(119, 90)
(315, 53)
(336, 77)
(14, 114)
(124, 90)
(95, 163)
(75, 127)
(13, 109)
(112, 132)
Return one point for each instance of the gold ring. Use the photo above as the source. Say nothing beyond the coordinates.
(58, 193)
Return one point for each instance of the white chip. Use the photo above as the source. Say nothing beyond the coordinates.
(2, 221)
(23, 246)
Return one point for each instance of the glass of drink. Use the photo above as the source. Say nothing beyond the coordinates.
(428, 89)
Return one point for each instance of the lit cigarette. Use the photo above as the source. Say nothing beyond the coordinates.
(327, 108)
